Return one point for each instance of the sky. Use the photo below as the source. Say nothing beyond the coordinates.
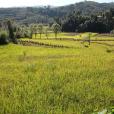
(18, 3)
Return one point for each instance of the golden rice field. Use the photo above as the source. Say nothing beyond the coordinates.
(42, 80)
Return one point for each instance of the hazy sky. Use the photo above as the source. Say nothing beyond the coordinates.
(12, 3)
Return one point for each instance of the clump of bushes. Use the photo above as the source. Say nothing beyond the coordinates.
(22, 32)
(4, 37)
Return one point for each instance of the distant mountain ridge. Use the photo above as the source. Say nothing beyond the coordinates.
(88, 7)
(47, 14)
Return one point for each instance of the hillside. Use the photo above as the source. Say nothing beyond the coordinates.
(88, 7)
(47, 14)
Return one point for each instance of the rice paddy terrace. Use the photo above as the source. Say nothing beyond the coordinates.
(57, 76)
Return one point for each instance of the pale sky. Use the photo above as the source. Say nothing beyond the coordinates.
(18, 3)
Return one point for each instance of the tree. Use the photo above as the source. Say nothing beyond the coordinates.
(56, 29)
(27, 32)
(22, 31)
(33, 29)
(19, 32)
(11, 29)
(4, 37)
(40, 30)
(47, 31)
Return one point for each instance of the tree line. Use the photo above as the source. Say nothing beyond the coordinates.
(103, 22)
(10, 31)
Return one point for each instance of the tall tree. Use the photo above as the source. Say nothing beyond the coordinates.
(11, 30)
(33, 29)
(40, 29)
(47, 31)
(56, 29)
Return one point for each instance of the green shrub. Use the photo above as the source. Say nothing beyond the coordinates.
(3, 37)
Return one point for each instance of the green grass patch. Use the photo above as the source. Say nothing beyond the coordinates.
(40, 80)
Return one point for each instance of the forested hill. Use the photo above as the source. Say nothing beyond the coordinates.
(88, 7)
(47, 14)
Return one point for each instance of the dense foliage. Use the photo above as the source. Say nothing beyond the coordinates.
(8, 32)
(100, 23)
(47, 14)
(4, 37)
